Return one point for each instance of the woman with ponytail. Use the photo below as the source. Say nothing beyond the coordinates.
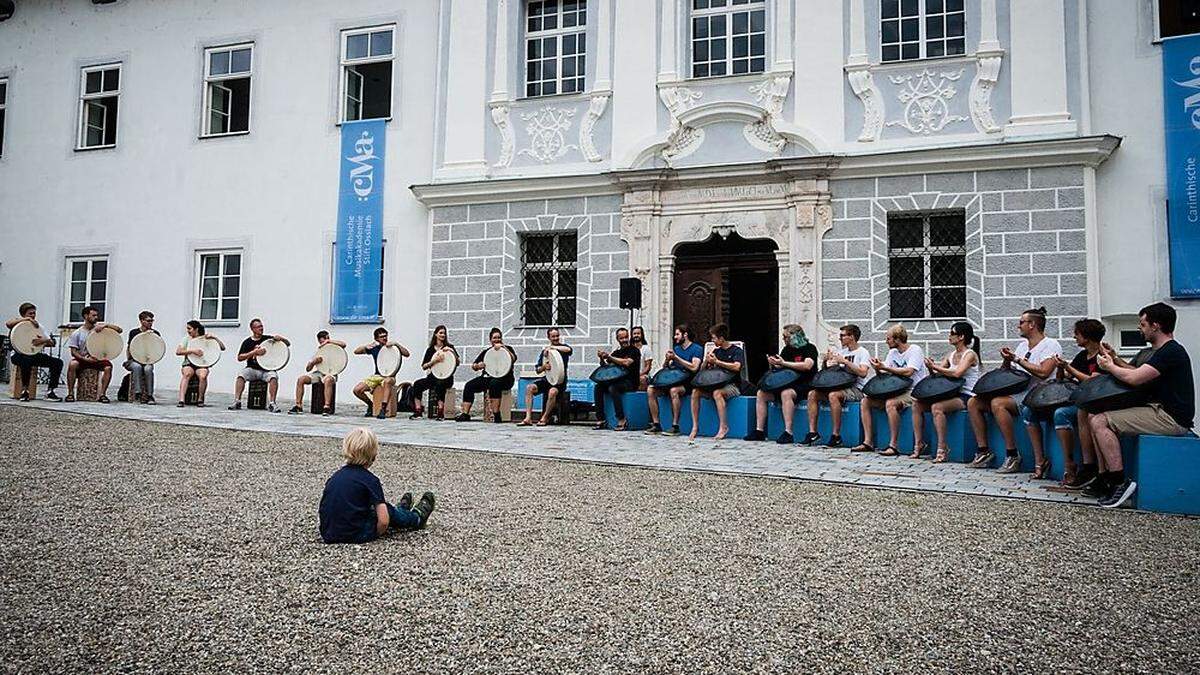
(963, 362)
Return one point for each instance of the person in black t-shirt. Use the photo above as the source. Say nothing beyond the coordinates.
(1167, 376)
(728, 357)
(439, 349)
(800, 355)
(628, 357)
(141, 375)
(542, 385)
(248, 353)
(1088, 336)
(494, 386)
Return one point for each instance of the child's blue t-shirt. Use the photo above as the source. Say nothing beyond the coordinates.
(347, 512)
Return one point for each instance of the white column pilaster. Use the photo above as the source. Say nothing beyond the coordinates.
(783, 34)
(668, 51)
(466, 92)
(1039, 69)
(500, 71)
(603, 46)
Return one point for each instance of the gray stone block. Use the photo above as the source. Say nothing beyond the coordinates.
(1058, 220)
(993, 243)
(441, 233)
(950, 182)
(466, 301)
(468, 231)
(1060, 262)
(993, 287)
(447, 285)
(899, 185)
(1031, 285)
(846, 310)
(620, 262)
(1002, 179)
(833, 250)
(601, 262)
(1008, 308)
(495, 229)
(449, 214)
(858, 249)
(1031, 242)
(1072, 240)
(449, 249)
(1056, 176)
(1070, 198)
(852, 187)
(494, 265)
(990, 202)
(1005, 222)
(858, 208)
(483, 283)
(608, 243)
(450, 320)
(609, 317)
(1029, 199)
(858, 288)
(497, 211)
(565, 207)
(439, 268)
(1072, 284)
(603, 204)
(842, 269)
(1008, 264)
(482, 320)
(859, 228)
(1063, 305)
(527, 209)
(602, 225)
(485, 247)
(438, 302)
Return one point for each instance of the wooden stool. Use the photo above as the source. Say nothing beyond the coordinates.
(562, 407)
(18, 386)
(506, 406)
(192, 395)
(378, 402)
(256, 399)
(451, 403)
(318, 399)
(87, 385)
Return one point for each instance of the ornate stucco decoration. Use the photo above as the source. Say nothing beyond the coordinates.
(770, 94)
(547, 129)
(587, 144)
(682, 140)
(987, 72)
(925, 96)
(503, 122)
(863, 85)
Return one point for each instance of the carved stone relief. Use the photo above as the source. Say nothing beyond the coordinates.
(547, 129)
(863, 85)
(500, 117)
(926, 97)
(586, 142)
(770, 94)
(682, 140)
(987, 72)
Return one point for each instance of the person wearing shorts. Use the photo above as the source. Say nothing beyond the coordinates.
(188, 370)
(542, 386)
(363, 389)
(311, 376)
(82, 360)
(963, 363)
(904, 360)
(726, 356)
(799, 355)
(248, 353)
(854, 358)
(686, 355)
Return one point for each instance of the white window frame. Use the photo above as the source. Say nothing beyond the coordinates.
(554, 267)
(346, 64)
(922, 36)
(211, 81)
(68, 263)
(557, 34)
(727, 11)
(3, 113)
(85, 98)
(199, 277)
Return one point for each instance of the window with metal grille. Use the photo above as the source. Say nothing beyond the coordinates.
(87, 284)
(728, 37)
(919, 29)
(220, 274)
(927, 265)
(99, 94)
(555, 46)
(548, 278)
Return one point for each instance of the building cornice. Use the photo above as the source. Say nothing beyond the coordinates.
(1090, 151)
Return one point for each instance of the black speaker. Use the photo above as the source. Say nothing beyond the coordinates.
(631, 293)
(7, 9)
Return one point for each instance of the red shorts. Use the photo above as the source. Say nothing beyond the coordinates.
(93, 365)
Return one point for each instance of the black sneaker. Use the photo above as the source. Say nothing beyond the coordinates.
(983, 459)
(1119, 495)
(655, 428)
(673, 431)
(785, 439)
(1086, 476)
(237, 405)
(835, 441)
(370, 413)
(51, 396)
(24, 397)
(296, 410)
(405, 502)
(424, 508)
(462, 417)
(496, 418)
(756, 435)
(811, 438)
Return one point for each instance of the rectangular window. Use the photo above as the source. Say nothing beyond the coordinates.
(920, 29)
(555, 46)
(99, 91)
(3, 105)
(382, 267)
(728, 37)
(927, 265)
(87, 284)
(548, 278)
(367, 73)
(219, 295)
(227, 89)
(1177, 17)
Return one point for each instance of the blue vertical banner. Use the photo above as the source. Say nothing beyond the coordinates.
(358, 252)
(1181, 109)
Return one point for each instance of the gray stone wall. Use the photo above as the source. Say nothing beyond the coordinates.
(1025, 248)
(475, 274)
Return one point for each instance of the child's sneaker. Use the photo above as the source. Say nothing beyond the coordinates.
(424, 508)
(405, 502)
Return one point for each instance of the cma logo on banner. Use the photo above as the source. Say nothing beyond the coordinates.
(362, 174)
(1191, 104)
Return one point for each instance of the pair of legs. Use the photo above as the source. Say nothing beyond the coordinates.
(837, 401)
(439, 388)
(893, 406)
(141, 380)
(940, 412)
(538, 387)
(327, 381)
(252, 375)
(26, 364)
(494, 388)
(363, 389)
(720, 397)
(78, 366)
(615, 390)
(1107, 430)
(676, 394)
(1003, 409)
(188, 373)
(787, 402)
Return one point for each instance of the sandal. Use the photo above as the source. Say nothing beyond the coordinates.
(889, 451)
(542, 423)
(1042, 470)
(103, 399)
(180, 404)
(524, 423)
(920, 451)
(863, 447)
(69, 399)
(621, 427)
(943, 455)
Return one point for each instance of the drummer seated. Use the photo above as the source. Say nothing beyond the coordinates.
(25, 363)
(363, 390)
(852, 357)
(684, 355)
(141, 375)
(726, 356)
(80, 358)
(542, 385)
(628, 357)
(903, 360)
(1167, 377)
(248, 354)
(311, 376)
(800, 355)
(637, 337)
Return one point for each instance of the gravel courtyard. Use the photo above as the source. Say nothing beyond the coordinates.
(137, 546)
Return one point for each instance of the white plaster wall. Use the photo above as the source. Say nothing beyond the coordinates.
(162, 190)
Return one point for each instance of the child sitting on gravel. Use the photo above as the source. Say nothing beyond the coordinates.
(353, 510)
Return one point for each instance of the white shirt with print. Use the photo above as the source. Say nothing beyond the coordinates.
(1045, 349)
(858, 357)
(912, 357)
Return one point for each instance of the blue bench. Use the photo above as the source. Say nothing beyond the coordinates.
(960, 439)
(1053, 449)
(637, 412)
(775, 420)
(581, 392)
(996, 443)
(882, 430)
(1166, 471)
(851, 423)
(739, 413)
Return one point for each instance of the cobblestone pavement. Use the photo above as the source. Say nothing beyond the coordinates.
(579, 442)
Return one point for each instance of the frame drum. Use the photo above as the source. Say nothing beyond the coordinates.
(1001, 382)
(277, 356)
(609, 372)
(833, 379)
(886, 385)
(1105, 392)
(22, 335)
(710, 379)
(388, 361)
(935, 388)
(147, 348)
(497, 363)
(445, 367)
(666, 378)
(556, 370)
(212, 352)
(778, 379)
(104, 345)
(333, 359)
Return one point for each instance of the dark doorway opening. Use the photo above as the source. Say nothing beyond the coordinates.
(734, 281)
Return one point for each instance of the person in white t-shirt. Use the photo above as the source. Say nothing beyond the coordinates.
(1035, 354)
(904, 360)
(854, 358)
(638, 339)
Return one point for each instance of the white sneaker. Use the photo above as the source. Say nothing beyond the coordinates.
(271, 408)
